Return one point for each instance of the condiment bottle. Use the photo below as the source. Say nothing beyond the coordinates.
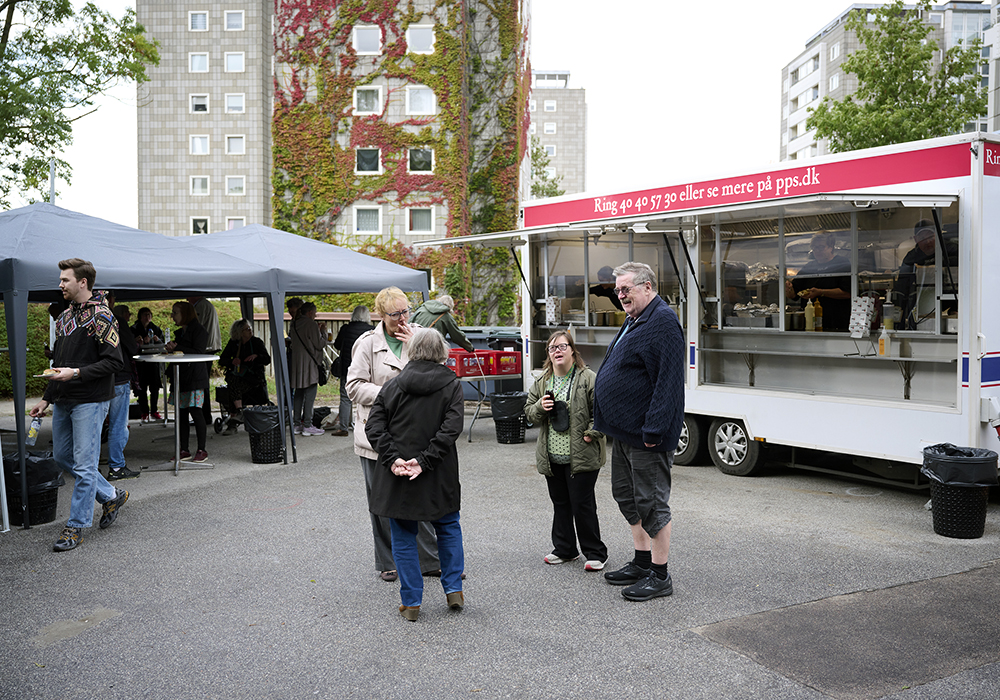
(888, 315)
(810, 316)
(885, 343)
(817, 315)
(32, 436)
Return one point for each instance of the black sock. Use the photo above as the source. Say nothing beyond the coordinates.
(660, 570)
(643, 559)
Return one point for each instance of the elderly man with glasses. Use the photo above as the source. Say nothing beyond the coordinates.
(639, 401)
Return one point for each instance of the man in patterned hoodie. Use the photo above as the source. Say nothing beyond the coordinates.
(85, 359)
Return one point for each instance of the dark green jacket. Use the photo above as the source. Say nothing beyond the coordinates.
(436, 315)
(585, 456)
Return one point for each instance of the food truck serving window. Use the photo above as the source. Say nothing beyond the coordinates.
(763, 271)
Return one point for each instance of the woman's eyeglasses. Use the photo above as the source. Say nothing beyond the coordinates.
(561, 347)
(396, 315)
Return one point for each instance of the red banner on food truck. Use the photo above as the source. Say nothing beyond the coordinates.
(845, 175)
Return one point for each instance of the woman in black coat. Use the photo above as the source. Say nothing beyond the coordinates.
(413, 425)
(191, 339)
(243, 360)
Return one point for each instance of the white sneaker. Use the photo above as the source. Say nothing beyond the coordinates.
(310, 430)
(594, 565)
(553, 559)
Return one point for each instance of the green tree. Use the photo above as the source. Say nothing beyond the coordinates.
(54, 61)
(900, 97)
(541, 184)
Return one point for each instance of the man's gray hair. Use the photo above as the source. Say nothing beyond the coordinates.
(447, 301)
(641, 272)
(427, 344)
(361, 313)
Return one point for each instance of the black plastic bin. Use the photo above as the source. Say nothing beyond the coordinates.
(508, 415)
(44, 480)
(960, 488)
(261, 424)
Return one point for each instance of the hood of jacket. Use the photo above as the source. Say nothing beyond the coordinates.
(435, 307)
(422, 377)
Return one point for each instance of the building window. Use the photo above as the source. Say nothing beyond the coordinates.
(549, 106)
(235, 103)
(236, 145)
(532, 105)
(198, 21)
(421, 220)
(367, 100)
(835, 51)
(235, 185)
(199, 185)
(420, 38)
(199, 224)
(421, 160)
(815, 93)
(834, 82)
(550, 173)
(532, 128)
(550, 151)
(199, 103)
(199, 145)
(368, 41)
(234, 62)
(197, 63)
(550, 128)
(235, 222)
(420, 100)
(815, 66)
(234, 20)
(367, 220)
(367, 161)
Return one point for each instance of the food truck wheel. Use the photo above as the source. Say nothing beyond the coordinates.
(691, 447)
(732, 449)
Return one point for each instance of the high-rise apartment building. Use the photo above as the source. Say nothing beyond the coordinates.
(816, 72)
(559, 122)
(991, 48)
(205, 116)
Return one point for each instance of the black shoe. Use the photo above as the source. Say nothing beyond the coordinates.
(650, 587)
(68, 540)
(123, 473)
(627, 575)
(112, 507)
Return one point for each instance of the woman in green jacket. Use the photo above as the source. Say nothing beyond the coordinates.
(570, 452)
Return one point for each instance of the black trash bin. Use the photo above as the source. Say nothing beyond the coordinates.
(508, 415)
(261, 424)
(44, 479)
(960, 488)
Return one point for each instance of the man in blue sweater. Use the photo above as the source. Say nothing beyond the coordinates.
(639, 401)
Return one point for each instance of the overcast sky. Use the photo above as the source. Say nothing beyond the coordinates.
(676, 91)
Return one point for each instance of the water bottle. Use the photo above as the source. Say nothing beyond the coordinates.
(36, 424)
(166, 336)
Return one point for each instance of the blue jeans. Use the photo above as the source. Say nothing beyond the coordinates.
(76, 447)
(404, 551)
(118, 426)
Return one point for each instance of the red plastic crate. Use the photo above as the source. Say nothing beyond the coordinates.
(471, 364)
(506, 362)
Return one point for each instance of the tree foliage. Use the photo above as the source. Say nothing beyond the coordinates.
(54, 61)
(900, 97)
(541, 184)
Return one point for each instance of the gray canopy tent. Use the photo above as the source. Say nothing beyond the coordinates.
(253, 261)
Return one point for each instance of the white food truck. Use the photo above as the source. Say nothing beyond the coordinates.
(908, 237)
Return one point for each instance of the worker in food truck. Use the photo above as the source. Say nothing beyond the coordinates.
(818, 279)
(914, 289)
(606, 288)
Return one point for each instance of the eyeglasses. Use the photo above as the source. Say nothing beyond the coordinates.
(624, 291)
(399, 314)
(561, 347)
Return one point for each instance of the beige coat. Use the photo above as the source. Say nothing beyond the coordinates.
(307, 350)
(372, 365)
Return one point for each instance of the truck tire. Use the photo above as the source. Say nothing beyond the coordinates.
(732, 450)
(691, 446)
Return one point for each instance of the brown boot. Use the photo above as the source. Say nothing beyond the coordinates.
(409, 612)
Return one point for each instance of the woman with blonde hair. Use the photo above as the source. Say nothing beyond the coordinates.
(378, 356)
(569, 452)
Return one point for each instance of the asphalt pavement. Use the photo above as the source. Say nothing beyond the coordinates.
(258, 581)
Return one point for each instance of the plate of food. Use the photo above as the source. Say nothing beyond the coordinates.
(50, 372)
